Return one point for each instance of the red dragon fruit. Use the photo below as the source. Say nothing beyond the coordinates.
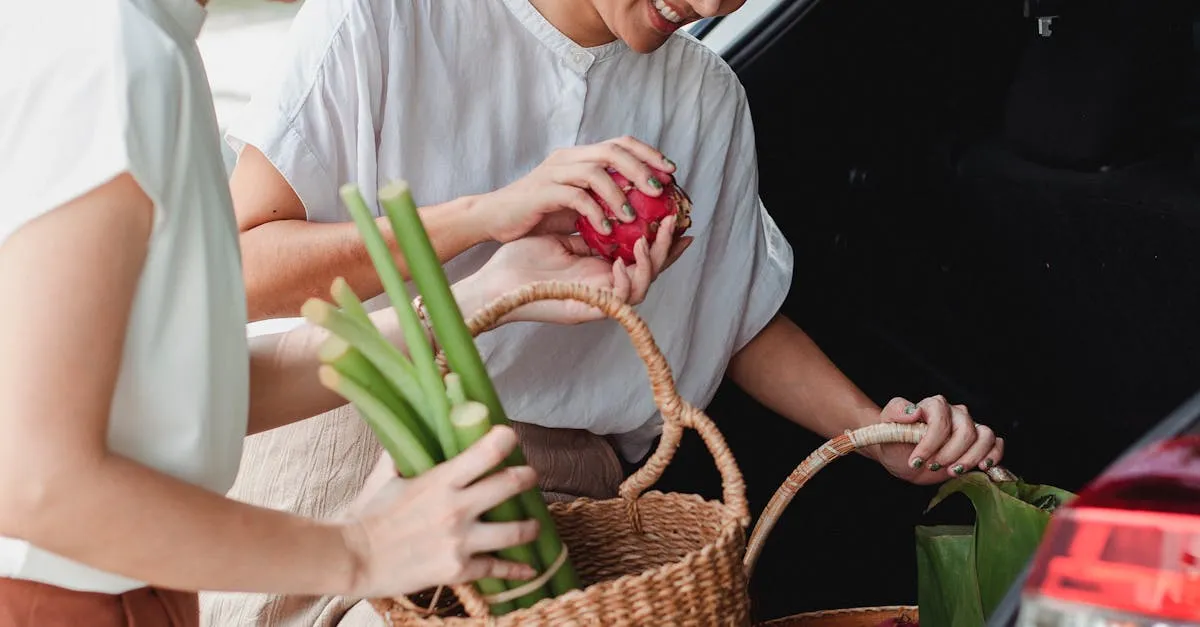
(650, 212)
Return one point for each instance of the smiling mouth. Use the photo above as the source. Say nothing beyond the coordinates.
(667, 12)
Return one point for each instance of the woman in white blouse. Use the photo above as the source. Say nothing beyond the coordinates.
(127, 383)
(484, 106)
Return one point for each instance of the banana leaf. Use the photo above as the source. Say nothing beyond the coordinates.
(944, 553)
(963, 573)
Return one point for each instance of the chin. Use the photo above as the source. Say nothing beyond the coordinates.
(645, 29)
(646, 43)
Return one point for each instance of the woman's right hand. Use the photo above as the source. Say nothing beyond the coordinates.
(566, 258)
(408, 535)
(554, 194)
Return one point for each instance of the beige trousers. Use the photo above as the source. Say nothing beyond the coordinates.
(316, 467)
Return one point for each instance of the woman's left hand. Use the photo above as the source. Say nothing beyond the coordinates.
(953, 445)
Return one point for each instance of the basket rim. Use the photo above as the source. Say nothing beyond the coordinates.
(730, 529)
(848, 611)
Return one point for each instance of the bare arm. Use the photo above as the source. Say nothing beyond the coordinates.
(788, 373)
(63, 334)
(284, 386)
(287, 259)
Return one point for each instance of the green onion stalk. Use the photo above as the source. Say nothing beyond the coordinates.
(351, 364)
(430, 379)
(421, 418)
(401, 443)
(404, 436)
(450, 329)
(404, 446)
(470, 422)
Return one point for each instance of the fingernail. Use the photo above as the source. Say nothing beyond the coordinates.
(917, 462)
(958, 470)
(606, 225)
(628, 209)
(668, 161)
(654, 183)
(935, 466)
(988, 463)
(910, 410)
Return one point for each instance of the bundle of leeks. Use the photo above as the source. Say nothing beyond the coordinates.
(419, 416)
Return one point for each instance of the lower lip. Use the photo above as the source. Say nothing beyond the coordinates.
(659, 22)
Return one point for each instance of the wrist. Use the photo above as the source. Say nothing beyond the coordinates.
(475, 291)
(863, 417)
(356, 550)
(476, 213)
(454, 226)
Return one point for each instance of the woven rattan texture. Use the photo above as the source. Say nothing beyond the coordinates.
(646, 558)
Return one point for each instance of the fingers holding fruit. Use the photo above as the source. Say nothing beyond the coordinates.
(564, 194)
(647, 153)
(635, 187)
(640, 165)
(666, 250)
(621, 284)
(602, 184)
(553, 258)
(650, 220)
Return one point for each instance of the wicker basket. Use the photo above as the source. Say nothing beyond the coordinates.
(842, 445)
(645, 558)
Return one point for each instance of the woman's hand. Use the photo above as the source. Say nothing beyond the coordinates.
(554, 194)
(953, 445)
(410, 535)
(567, 258)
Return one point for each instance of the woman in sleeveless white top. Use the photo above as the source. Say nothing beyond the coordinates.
(127, 382)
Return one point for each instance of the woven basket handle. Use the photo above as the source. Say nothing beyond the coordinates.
(842, 445)
(677, 414)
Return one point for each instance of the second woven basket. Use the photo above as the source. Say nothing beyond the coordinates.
(840, 446)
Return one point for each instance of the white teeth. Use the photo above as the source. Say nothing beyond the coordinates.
(667, 12)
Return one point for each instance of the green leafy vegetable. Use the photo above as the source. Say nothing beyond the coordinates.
(964, 572)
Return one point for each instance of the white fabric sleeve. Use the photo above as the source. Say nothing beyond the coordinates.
(316, 118)
(753, 248)
(62, 126)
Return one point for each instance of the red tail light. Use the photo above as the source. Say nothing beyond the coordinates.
(1126, 552)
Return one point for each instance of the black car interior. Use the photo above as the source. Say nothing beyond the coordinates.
(998, 201)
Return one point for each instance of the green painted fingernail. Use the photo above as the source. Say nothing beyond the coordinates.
(917, 462)
(654, 183)
(988, 463)
(606, 225)
(910, 410)
(628, 209)
(669, 162)
(935, 466)
(958, 470)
